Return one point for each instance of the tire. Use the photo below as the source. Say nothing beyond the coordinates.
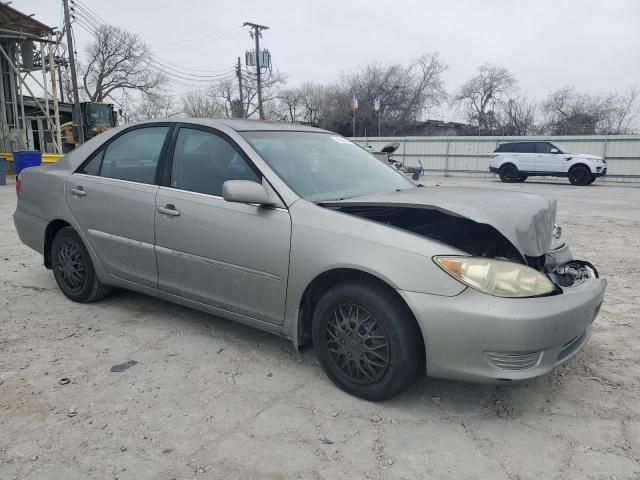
(580, 176)
(73, 268)
(593, 179)
(376, 358)
(522, 179)
(508, 173)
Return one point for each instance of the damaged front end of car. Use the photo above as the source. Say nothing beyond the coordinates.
(513, 227)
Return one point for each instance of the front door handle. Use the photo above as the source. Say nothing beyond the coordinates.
(78, 191)
(169, 209)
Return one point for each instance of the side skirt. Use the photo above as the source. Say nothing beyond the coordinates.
(218, 312)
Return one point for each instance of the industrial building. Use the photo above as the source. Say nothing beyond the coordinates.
(30, 113)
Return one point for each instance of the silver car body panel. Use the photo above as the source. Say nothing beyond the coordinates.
(252, 264)
(123, 243)
(216, 252)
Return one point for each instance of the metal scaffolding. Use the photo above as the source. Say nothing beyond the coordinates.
(26, 49)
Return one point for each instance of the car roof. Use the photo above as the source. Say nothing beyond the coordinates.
(248, 125)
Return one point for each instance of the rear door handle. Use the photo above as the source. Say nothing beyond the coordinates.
(79, 191)
(169, 209)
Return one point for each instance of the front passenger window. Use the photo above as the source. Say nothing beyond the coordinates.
(544, 147)
(203, 161)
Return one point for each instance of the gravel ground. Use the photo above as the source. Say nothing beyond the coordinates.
(212, 399)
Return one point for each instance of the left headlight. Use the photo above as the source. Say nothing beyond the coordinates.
(496, 277)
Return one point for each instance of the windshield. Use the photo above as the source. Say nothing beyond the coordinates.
(321, 166)
(99, 115)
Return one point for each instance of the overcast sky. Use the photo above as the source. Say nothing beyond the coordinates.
(593, 45)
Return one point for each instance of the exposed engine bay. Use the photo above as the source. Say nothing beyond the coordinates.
(477, 239)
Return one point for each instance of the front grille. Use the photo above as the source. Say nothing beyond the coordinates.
(513, 360)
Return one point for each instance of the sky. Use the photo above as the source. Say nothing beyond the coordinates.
(546, 44)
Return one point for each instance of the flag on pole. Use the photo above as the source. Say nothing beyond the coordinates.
(354, 102)
(376, 104)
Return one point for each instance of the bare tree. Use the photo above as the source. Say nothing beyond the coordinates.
(568, 112)
(117, 60)
(480, 94)
(154, 106)
(286, 108)
(624, 114)
(405, 93)
(272, 83)
(517, 116)
(203, 104)
(312, 99)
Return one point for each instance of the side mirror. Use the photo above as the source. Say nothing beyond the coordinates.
(554, 150)
(246, 191)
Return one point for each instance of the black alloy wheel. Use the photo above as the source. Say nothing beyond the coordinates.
(357, 343)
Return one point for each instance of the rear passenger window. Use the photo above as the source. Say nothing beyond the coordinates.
(525, 147)
(134, 156)
(203, 161)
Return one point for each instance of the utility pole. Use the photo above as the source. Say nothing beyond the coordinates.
(256, 35)
(239, 73)
(74, 78)
(58, 40)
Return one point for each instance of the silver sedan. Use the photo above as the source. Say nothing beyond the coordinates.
(302, 233)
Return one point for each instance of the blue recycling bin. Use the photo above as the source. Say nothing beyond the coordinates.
(26, 158)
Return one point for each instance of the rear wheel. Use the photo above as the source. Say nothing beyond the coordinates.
(508, 173)
(593, 179)
(580, 175)
(73, 268)
(367, 341)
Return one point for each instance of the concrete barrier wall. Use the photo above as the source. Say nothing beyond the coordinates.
(470, 155)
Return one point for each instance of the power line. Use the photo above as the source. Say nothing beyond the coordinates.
(171, 74)
(97, 22)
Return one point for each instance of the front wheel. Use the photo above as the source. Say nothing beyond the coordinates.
(522, 179)
(580, 175)
(367, 341)
(73, 269)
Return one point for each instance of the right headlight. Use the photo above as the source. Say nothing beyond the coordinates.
(496, 277)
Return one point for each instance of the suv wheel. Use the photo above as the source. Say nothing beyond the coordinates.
(508, 173)
(367, 341)
(73, 269)
(522, 178)
(580, 175)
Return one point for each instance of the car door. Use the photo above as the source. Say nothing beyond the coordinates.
(112, 197)
(231, 256)
(546, 161)
(525, 154)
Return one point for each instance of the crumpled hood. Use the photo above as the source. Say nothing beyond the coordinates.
(526, 220)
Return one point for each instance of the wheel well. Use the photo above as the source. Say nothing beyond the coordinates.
(508, 163)
(324, 282)
(573, 167)
(50, 233)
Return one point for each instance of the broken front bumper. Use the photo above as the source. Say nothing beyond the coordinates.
(478, 337)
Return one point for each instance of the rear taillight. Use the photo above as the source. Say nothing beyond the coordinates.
(18, 184)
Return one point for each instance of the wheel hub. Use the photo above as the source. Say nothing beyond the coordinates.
(357, 343)
(70, 265)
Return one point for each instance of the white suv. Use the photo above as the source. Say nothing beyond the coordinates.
(515, 161)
